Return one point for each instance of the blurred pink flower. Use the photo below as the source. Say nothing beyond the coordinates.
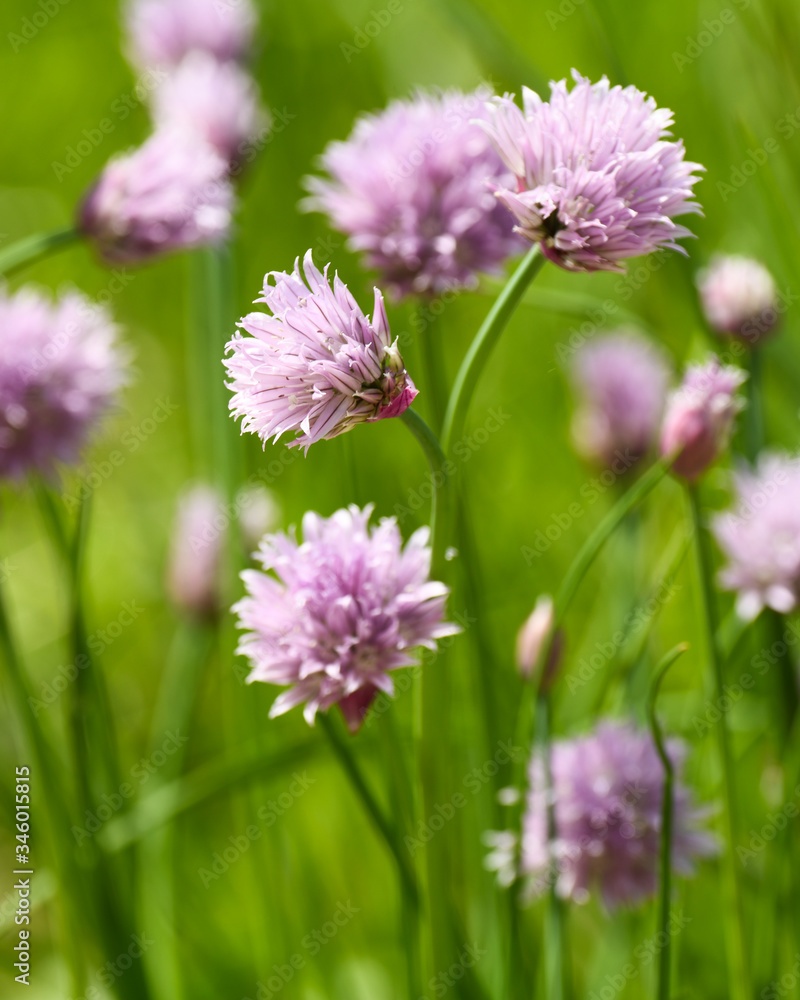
(700, 417)
(61, 368)
(410, 188)
(622, 387)
(761, 537)
(171, 193)
(217, 102)
(193, 574)
(162, 32)
(339, 612)
(607, 790)
(739, 297)
(596, 179)
(315, 364)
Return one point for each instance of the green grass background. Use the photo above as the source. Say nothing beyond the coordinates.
(728, 97)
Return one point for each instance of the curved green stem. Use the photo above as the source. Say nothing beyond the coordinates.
(754, 414)
(736, 941)
(373, 809)
(440, 478)
(665, 889)
(34, 248)
(484, 343)
(595, 542)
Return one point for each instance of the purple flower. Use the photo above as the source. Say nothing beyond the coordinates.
(60, 370)
(162, 32)
(172, 193)
(607, 789)
(596, 180)
(700, 416)
(410, 187)
(193, 574)
(214, 101)
(739, 297)
(622, 385)
(761, 537)
(339, 612)
(315, 364)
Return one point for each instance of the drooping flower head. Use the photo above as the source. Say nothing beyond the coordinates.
(162, 32)
(607, 789)
(216, 102)
(335, 615)
(739, 297)
(314, 364)
(193, 573)
(761, 537)
(172, 193)
(597, 180)
(622, 387)
(410, 189)
(700, 417)
(61, 368)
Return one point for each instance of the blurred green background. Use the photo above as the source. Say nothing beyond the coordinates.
(732, 83)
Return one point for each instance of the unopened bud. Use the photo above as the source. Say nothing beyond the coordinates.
(536, 640)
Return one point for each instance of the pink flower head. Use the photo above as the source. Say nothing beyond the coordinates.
(607, 789)
(334, 615)
(596, 179)
(534, 636)
(214, 101)
(314, 364)
(60, 370)
(170, 194)
(761, 538)
(700, 416)
(162, 32)
(193, 575)
(739, 297)
(622, 385)
(410, 187)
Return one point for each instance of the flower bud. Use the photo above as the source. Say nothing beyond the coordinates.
(259, 514)
(739, 298)
(536, 639)
(193, 574)
(700, 416)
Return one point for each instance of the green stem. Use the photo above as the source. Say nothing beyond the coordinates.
(34, 248)
(45, 765)
(373, 809)
(433, 365)
(754, 414)
(595, 542)
(732, 912)
(555, 971)
(667, 804)
(440, 479)
(484, 343)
